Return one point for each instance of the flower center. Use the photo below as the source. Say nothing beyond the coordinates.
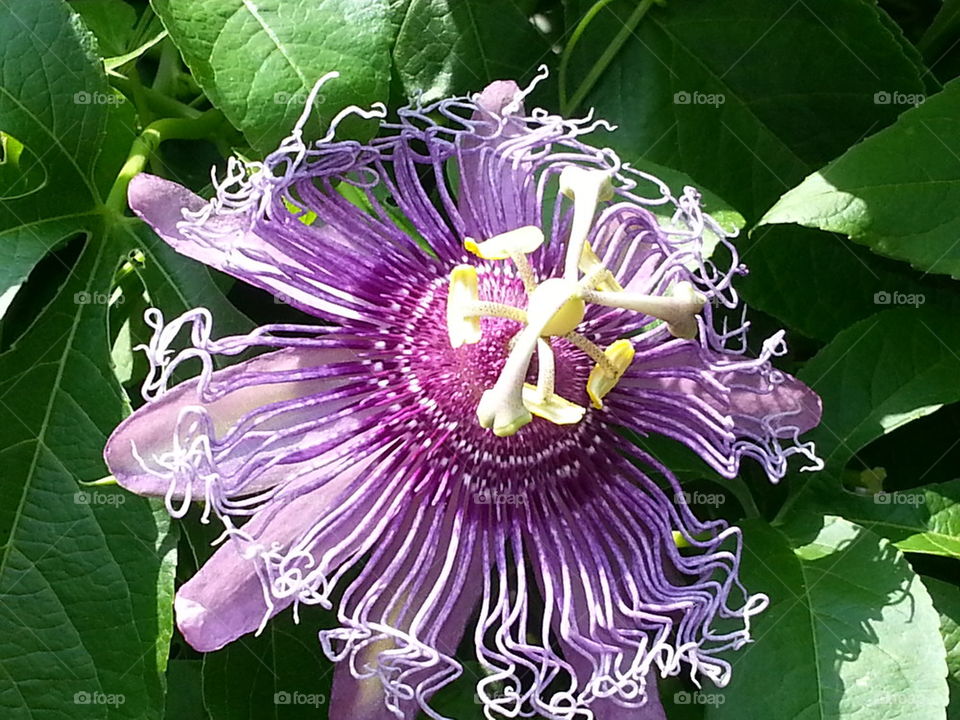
(555, 309)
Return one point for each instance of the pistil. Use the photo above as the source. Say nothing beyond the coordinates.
(556, 308)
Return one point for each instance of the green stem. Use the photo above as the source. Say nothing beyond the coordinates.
(572, 43)
(158, 102)
(606, 58)
(147, 143)
(167, 69)
(743, 495)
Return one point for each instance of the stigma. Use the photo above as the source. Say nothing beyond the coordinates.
(555, 309)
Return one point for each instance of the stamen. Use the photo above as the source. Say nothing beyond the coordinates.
(602, 380)
(547, 371)
(589, 348)
(463, 327)
(553, 307)
(523, 240)
(516, 245)
(678, 311)
(596, 276)
(587, 188)
(495, 309)
(556, 308)
(541, 399)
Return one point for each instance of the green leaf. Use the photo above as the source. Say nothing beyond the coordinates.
(820, 283)
(850, 634)
(923, 520)
(112, 21)
(280, 675)
(449, 47)
(185, 691)
(86, 573)
(258, 61)
(176, 284)
(946, 599)
(898, 192)
(879, 374)
(55, 100)
(718, 88)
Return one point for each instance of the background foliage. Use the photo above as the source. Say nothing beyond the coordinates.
(829, 128)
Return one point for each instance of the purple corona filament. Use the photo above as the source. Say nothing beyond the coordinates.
(440, 458)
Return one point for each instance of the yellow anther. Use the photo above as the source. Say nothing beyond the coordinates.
(605, 376)
(462, 326)
(553, 407)
(562, 294)
(500, 247)
(590, 265)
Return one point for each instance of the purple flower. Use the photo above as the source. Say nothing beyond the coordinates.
(503, 303)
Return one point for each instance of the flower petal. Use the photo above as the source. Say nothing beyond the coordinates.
(228, 597)
(181, 417)
(723, 406)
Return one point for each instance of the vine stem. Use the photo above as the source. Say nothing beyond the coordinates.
(569, 106)
(147, 143)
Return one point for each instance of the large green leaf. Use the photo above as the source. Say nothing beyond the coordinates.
(946, 599)
(86, 573)
(449, 47)
(850, 634)
(257, 61)
(55, 100)
(898, 192)
(820, 283)
(784, 113)
(924, 519)
(881, 373)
